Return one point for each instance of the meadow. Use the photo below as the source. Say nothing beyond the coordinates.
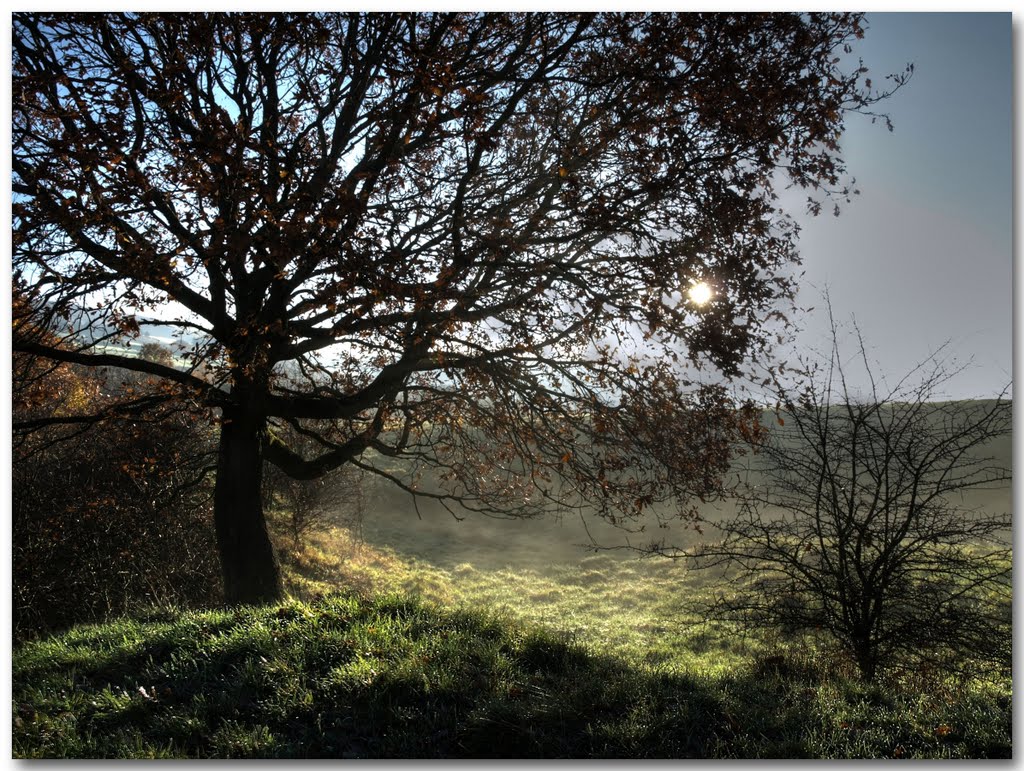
(429, 637)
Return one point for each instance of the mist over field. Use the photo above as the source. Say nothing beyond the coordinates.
(565, 538)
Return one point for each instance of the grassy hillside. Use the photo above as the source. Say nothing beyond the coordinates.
(591, 660)
(395, 677)
(431, 637)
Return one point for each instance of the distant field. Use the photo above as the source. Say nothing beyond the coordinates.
(436, 536)
(480, 541)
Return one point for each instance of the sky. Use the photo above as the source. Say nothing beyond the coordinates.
(924, 256)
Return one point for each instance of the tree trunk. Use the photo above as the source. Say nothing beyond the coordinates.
(867, 658)
(250, 570)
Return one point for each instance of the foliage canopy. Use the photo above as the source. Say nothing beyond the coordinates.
(459, 239)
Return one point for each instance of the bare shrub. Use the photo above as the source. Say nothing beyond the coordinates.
(856, 521)
(339, 498)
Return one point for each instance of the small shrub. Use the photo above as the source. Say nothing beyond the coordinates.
(852, 521)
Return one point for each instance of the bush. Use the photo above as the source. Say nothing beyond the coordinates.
(855, 521)
(338, 498)
(108, 514)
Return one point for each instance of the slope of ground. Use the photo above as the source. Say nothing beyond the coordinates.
(345, 676)
(591, 660)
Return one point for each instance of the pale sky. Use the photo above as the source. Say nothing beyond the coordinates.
(924, 254)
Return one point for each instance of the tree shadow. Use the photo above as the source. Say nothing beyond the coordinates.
(398, 679)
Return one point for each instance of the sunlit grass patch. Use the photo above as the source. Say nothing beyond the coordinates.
(462, 658)
(624, 607)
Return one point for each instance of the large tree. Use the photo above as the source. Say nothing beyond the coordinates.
(460, 239)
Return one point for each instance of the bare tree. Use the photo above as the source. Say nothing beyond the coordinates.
(855, 520)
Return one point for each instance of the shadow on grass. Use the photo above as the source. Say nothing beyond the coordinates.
(350, 678)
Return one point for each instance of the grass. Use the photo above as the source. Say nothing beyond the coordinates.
(353, 677)
(431, 652)
(623, 607)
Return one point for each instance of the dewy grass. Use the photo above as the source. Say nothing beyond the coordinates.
(450, 658)
(625, 607)
(349, 676)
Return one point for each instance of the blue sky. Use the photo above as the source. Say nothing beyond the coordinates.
(924, 255)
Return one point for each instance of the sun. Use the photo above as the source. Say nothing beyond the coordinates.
(699, 293)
